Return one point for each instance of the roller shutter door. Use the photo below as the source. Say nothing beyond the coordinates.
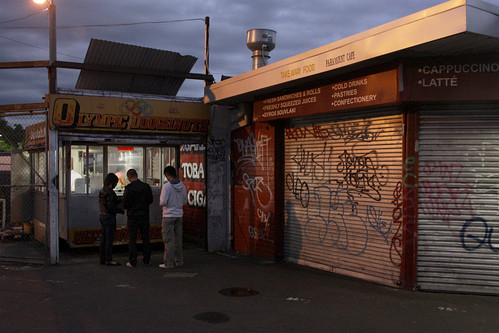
(342, 198)
(458, 225)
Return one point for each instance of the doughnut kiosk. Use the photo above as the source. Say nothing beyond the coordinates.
(103, 134)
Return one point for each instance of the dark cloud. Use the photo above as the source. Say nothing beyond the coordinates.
(300, 26)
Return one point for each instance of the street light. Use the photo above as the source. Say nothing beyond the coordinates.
(52, 45)
(52, 149)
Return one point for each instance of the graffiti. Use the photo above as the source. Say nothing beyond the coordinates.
(310, 163)
(410, 179)
(247, 150)
(476, 233)
(363, 173)
(253, 158)
(403, 210)
(258, 232)
(346, 132)
(349, 132)
(447, 196)
(396, 242)
(216, 150)
(483, 165)
(445, 200)
(333, 216)
(445, 172)
(317, 132)
(136, 108)
(339, 180)
(260, 192)
(374, 217)
(252, 151)
(298, 188)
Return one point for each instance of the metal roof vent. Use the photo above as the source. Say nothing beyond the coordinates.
(260, 42)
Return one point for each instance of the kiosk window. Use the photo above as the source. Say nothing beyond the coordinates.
(123, 158)
(95, 169)
(87, 168)
(170, 157)
(157, 158)
(90, 163)
(153, 166)
(78, 155)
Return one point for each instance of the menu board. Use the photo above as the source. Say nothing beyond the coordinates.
(375, 89)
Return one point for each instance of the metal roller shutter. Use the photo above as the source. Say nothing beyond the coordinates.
(458, 225)
(340, 178)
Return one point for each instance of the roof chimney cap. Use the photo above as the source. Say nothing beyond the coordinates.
(260, 42)
(261, 38)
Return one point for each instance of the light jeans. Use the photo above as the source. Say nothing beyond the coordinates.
(171, 230)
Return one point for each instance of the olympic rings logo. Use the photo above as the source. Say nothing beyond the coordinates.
(136, 108)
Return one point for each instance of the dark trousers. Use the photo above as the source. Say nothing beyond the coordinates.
(134, 226)
(108, 223)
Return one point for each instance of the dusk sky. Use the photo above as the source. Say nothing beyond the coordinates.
(300, 26)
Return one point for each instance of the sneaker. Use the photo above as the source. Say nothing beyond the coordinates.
(179, 263)
(128, 264)
(164, 266)
(112, 263)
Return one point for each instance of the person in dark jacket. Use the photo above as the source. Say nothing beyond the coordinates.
(108, 204)
(136, 200)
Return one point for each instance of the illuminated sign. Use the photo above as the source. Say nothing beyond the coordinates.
(125, 149)
(120, 114)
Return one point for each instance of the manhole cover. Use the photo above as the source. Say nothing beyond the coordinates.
(212, 317)
(238, 292)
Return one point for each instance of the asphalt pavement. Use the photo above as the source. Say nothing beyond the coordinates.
(221, 292)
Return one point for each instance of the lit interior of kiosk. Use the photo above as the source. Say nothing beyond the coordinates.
(88, 165)
(82, 177)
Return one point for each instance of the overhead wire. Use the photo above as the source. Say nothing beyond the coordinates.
(107, 25)
(23, 18)
(38, 47)
(82, 26)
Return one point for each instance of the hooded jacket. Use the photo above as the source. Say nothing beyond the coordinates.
(173, 197)
(136, 199)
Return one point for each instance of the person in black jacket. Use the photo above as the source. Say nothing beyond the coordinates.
(108, 204)
(136, 200)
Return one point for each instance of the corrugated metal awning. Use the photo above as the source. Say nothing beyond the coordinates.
(117, 55)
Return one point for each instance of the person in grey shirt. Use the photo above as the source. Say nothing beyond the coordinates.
(172, 199)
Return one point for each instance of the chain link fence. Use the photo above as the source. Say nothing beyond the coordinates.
(23, 188)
